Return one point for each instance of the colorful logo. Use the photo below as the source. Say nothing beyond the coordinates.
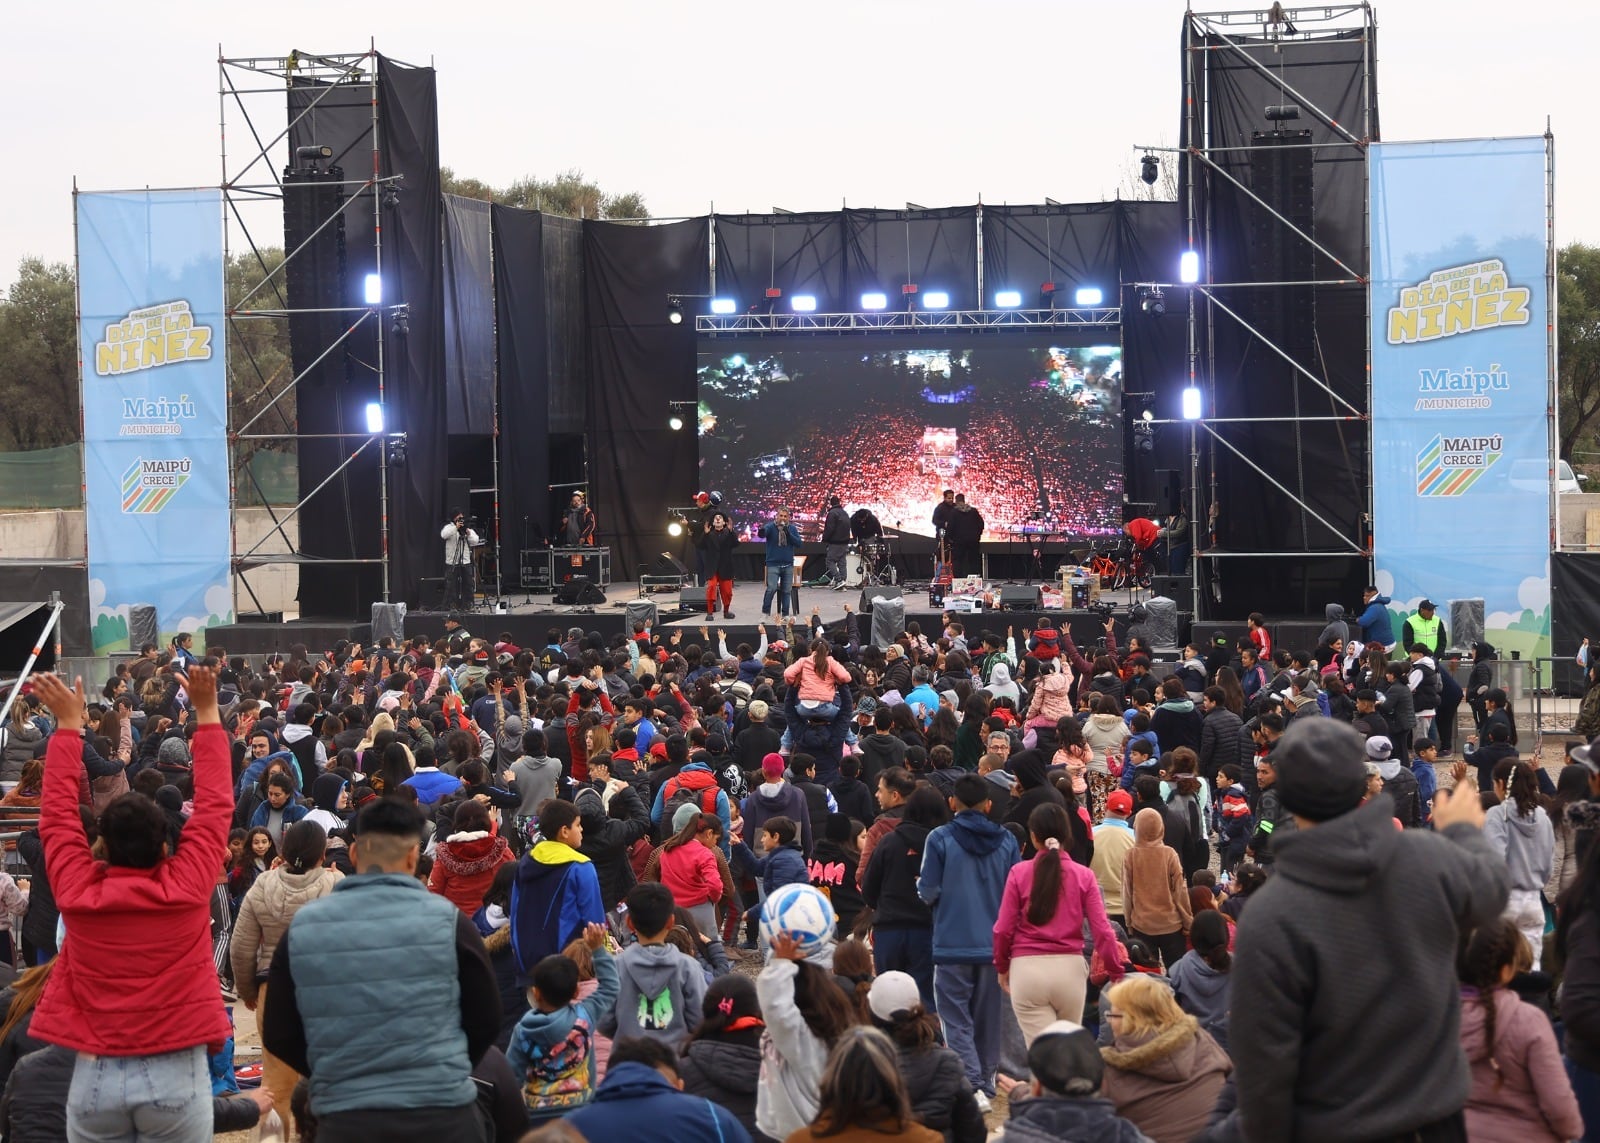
(148, 486)
(1448, 466)
(1460, 299)
(152, 337)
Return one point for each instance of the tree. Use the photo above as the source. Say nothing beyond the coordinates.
(259, 363)
(39, 358)
(569, 194)
(1578, 345)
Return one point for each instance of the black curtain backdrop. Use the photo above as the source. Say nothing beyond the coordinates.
(1574, 601)
(566, 351)
(1025, 246)
(798, 253)
(341, 520)
(639, 362)
(408, 114)
(936, 249)
(28, 583)
(1149, 238)
(468, 317)
(1323, 463)
(520, 318)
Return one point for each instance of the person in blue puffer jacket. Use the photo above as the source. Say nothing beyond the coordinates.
(1377, 626)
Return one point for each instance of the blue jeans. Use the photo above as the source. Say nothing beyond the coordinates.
(780, 579)
(124, 1099)
(909, 951)
(1586, 1087)
(969, 1008)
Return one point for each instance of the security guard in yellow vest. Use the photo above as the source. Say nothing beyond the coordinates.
(1426, 628)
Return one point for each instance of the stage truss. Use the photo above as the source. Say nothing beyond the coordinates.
(901, 320)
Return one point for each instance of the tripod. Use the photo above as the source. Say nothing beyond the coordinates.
(458, 585)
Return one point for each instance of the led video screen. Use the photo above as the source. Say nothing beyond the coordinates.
(1030, 433)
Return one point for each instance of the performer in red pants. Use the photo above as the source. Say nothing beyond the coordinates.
(717, 543)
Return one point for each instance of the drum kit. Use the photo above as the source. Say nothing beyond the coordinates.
(867, 564)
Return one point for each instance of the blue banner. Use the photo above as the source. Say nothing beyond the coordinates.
(151, 339)
(1460, 382)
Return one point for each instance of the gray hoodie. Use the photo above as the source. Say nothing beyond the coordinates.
(1337, 628)
(660, 997)
(1528, 843)
(535, 781)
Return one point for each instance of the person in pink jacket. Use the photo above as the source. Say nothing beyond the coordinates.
(819, 676)
(1051, 701)
(1520, 1092)
(689, 869)
(1038, 937)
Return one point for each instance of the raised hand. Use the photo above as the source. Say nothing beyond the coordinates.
(785, 947)
(594, 936)
(67, 704)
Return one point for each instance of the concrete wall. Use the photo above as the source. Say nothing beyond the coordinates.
(1572, 509)
(58, 534)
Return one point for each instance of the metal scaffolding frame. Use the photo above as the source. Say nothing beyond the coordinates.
(893, 320)
(1216, 32)
(252, 88)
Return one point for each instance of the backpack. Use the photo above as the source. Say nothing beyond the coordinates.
(688, 788)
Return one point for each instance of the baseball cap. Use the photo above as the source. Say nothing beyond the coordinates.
(1427, 605)
(772, 767)
(1065, 1059)
(758, 710)
(866, 704)
(1587, 755)
(1379, 748)
(1119, 802)
(893, 992)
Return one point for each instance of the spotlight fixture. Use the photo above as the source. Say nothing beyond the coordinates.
(724, 306)
(803, 303)
(1008, 299)
(396, 445)
(1149, 169)
(1144, 436)
(675, 423)
(1151, 300)
(935, 300)
(391, 195)
(773, 295)
(374, 417)
(908, 292)
(1191, 404)
(1047, 295)
(307, 156)
(372, 289)
(1088, 296)
(1189, 267)
(1280, 112)
(676, 415)
(675, 528)
(401, 323)
(674, 309)
(874, 301)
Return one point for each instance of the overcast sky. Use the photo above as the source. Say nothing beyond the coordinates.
(749, 106)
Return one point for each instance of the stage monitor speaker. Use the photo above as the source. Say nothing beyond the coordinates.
(458, 494)
(430, 593)
(668, 564)
(579, 590)
(388, 622)
(888, 619)
(1169, 491)
(1020, 597)
(1177, 587)
(692, 599)
(1466, 623)
(1161, 623)
(142, 626)
(640, 611)
(881, 591)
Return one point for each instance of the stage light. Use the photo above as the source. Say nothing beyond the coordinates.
(1147, 415)
(1008, 299)
(1279, 112)
(675, 529)
(803, 303)
(1149, 169)
(374, 417)
(724, 306)
(309, 155)
(372, 289)
(935, 300)
(874, 301)
(1089, 296)
(1189, 267)
(674, 309)
(1191, 404)
(675, 423)
(1151, 300)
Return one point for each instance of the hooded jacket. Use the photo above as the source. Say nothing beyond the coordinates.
(1155, 897)
(1219, 741)
(552, 1054)
(889, 878)
(726, 1069)
(1202, 990)
(264, 917)
(1051, 1118)
(941, 1097)
(1166, 1083)
(964, 870)
(1523, 1096)
(325, 793)
(1001, 685)
(792, 1055)
(1528, 842)
(1177, 722)
(1332, 1054)
(608, 838)
(636, 1095)
(1336, 627)
(1105, 732)
(1377, 625)
(1033, 775)
(535, 781)
(556, 894)
(464, 865)
(659, 994)
(776, 799)
(1052, 698)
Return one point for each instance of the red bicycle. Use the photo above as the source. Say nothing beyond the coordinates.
(1119, 563)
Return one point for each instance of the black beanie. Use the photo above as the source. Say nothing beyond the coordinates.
(1321, 766)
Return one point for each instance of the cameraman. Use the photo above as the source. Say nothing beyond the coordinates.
(459, 540)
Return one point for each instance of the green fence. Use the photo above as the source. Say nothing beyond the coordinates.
(53, 478)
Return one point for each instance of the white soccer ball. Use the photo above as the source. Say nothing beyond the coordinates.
(801, 911)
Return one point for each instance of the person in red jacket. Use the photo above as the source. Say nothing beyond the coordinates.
(1142, 532)
(134, 991)
(465, 861)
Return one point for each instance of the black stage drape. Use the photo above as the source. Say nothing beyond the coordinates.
(638, 362)
(800, 253)
(935, 249)
(524, 379)
(468, 317)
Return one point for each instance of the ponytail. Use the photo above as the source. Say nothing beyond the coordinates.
(1483, 958)
(819, 658)
(1049, 824)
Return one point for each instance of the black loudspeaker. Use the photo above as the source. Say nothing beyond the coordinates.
(388, 621)
(579, 590)
(1169, 491)
(430, 593)
(668, 564)
(1020, 597)
(142, 626)
(1178, 588)
(458, 494)
(692, 599)
(641, 611)
(882, 591)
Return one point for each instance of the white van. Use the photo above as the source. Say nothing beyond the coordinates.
(1532, 476)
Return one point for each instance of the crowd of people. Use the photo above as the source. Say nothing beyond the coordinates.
(968, 885)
